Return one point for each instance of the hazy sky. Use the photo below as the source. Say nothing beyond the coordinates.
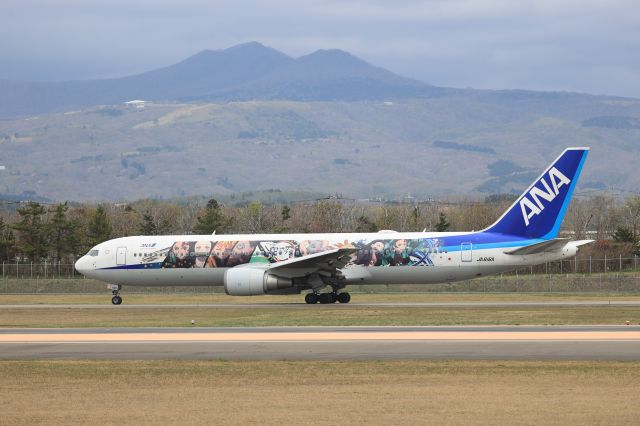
(574, 45)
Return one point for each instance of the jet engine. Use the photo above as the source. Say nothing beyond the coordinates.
(253, 282)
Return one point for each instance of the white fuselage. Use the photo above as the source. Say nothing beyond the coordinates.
(159, 261)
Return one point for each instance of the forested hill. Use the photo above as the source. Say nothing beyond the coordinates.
(252, 118)
(435, 147)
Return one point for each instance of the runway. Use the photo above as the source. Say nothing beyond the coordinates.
(303, 305)
(326, 343)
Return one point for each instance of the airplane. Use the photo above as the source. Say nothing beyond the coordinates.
(248, 265)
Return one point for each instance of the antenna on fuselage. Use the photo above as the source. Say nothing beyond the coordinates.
(214, 232)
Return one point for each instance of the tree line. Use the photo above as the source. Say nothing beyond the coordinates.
(64, 231)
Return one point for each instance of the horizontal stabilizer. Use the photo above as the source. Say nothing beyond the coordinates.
(545, 246)
(579, 243)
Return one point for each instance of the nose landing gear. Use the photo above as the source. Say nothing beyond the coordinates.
(115, 290)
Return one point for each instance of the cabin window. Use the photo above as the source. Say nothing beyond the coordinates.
(134, 255)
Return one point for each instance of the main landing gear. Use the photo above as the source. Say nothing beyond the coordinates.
(115, 290)
(331, 297)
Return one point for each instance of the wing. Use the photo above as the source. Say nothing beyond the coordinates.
(325, 263)
(545, 246)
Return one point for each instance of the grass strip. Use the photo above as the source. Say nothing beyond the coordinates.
(318, 315)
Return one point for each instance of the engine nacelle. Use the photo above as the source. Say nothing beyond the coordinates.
(253, 282)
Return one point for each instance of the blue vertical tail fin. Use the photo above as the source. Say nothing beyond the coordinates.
(539, 211)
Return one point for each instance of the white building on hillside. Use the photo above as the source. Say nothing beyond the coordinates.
(136, 103)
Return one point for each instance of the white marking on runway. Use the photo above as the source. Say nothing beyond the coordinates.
(303, 336)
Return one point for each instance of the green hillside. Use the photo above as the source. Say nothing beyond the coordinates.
(464, 143)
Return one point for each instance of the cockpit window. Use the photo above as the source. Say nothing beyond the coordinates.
(93, 253)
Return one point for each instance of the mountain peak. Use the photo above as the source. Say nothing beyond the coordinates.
(245, 71)
(332, 55)
(250, 45)
(254, 49)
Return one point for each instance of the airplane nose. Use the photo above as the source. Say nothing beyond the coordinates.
(81, 265)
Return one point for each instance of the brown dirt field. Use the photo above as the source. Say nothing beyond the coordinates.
(313, 392)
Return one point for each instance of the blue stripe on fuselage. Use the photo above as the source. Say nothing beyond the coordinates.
(154, 265)
(486, 240)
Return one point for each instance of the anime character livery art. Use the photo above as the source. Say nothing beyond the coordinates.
(324, 264)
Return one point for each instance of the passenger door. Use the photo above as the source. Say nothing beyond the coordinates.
(466, 252)
(121, 256)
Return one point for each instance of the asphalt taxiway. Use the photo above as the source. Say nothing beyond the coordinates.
(326, 343)
(302, 305)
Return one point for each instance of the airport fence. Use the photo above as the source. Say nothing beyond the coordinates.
(44, 270)
(580, 274)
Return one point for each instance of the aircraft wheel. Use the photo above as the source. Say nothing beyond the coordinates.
(116, 300)
(311, 298)
(344, 297)
(325, 298)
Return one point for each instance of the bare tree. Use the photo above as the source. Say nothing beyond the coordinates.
(578, 218)
(601, 222)
(632, 213)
